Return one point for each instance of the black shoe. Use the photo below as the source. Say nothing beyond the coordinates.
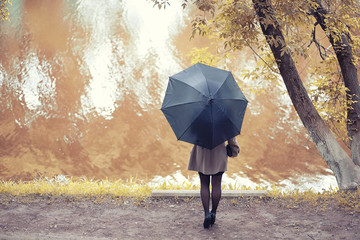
(213, 217)
(207, 221)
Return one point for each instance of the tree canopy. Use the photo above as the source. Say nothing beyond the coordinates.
(233, 25)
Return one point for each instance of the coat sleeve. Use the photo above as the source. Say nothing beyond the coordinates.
(235, 149)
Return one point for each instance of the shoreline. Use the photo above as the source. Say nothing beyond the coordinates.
(196, 193)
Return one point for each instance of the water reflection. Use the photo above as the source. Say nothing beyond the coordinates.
(82, 83)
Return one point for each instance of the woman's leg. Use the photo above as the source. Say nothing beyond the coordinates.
(216, 191)
(205, 192)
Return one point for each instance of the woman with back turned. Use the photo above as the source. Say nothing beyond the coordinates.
(211, 164)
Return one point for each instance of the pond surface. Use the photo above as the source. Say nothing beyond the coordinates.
(81, 87)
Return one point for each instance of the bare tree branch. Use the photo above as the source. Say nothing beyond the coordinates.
(321, 48)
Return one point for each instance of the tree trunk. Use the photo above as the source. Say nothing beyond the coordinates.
(346, 172)
(345, 58)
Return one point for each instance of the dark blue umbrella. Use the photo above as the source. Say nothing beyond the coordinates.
(204, 105)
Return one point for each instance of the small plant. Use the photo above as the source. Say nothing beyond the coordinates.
(234, 201)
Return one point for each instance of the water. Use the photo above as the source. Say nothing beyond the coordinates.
(81, 87)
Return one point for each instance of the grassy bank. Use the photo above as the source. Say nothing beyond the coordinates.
(96, 190)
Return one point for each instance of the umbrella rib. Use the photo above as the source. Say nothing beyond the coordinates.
(233, 99)
(190, 124)
(181, 104)
(222, 83)
(188, 86)
(207, 84)
(225, 113)
(228, 73)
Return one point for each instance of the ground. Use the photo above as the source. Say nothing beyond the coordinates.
(41, 217)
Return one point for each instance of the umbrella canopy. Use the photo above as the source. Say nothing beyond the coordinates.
(204, 105)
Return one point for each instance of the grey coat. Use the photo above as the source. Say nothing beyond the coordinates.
(212, 161)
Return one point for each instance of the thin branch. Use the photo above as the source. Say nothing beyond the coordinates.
(321, 48)
(272, 69)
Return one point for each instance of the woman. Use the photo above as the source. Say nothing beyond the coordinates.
(211, 164)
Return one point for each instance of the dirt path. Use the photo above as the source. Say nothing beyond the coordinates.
(240, 218)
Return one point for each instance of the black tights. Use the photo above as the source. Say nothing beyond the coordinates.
(205, 191)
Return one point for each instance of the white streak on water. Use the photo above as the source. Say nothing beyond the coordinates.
(31, 79)
(98, 55)
(148, 52)
(317, 183)
(36, 83)
(151, 34)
